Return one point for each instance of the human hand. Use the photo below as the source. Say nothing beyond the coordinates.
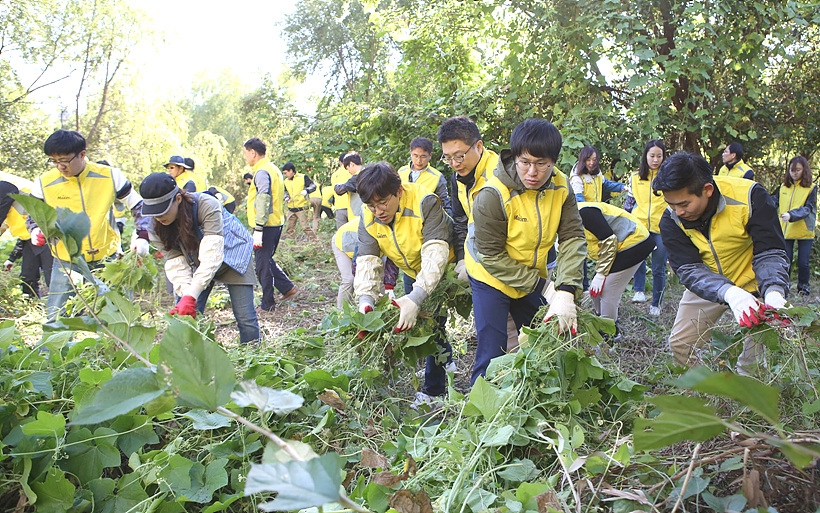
(8, 265)
(461, 270)
(140, 246)
(185, 306)
(37, 237)
(563, 307)
(409, 311)
(785, 217)
(774, 299)
(304, 193)
(388, 289)
(745, 306)
(257, 239)
(596, 286)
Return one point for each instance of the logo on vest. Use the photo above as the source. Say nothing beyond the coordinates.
(519, 218)
(63, 197)
(381, 235)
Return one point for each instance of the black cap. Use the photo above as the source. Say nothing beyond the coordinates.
(158, 190)
(189, 163)
(179, 161)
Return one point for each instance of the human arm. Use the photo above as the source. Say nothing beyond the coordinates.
(309, 185)
(128, 196)
(6, 201)
(770, 262)
(348, 186)
(369, 268)
(17, 252)
(612, 186)
(210, 253)
(459, 221)
(264, 199)
(595, 223)
(577, 185)
(808, 210)
(572, 249)
(435, 249)
(444, 194)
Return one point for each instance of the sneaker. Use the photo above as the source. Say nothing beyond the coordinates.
(639, 297)
(432, 401)
(289, 294)
(654, 311)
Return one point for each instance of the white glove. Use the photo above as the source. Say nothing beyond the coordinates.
(391, 294)
(773, 299)
(563, 306)
(596, 286)
(461, 270)
(785, 217)
(8, 265)
(257, 239)
(304, 193)
(744, 306)
(365, 304)
(140, 246)
(409, 310)
(37, 237)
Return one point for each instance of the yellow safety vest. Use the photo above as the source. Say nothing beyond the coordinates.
(277, 191)
(728, 250)
(226, 198)
(594, 190)
(737, 171)
(327, 193)
(92, 192)
(16, 217)
(340, 176)
(648, 207)
(627, 228)
(428, 178)
(188, 176)
(347, 236)
(532, 227)
(791, 198)
(483, 171)
(295, 186)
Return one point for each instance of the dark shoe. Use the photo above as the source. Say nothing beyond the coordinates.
(803, 291)
(289, 294)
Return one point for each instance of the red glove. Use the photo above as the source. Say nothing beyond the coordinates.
(37, 237)
(185, 306)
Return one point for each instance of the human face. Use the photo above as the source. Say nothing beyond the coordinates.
(174, 170)
(592, 162)
(251, 157)
(385, 208)
(170, 216)
(353, 168)
(533, 171)
(728, 157)
(248, 181)
(688, 206)
(419, 159)
(69, 164)
(796, 172)
(654, 157)
(289, 173)
(469, 154)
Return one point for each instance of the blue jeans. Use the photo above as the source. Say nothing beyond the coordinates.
(59, 287)
(490, 308)
(803, 256)
(659, 258)
(268, 271)
(435, 377)
(243, 309)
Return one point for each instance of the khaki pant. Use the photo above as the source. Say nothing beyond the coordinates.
(606, 305)
(291, 218)
(693, 326)
(316, 206)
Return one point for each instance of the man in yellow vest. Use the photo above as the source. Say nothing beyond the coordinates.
(517, 216)
(411, 228)
(82, 186)
(341, 201)
(297, 189)
(421, 172)
(265, 214)
(733, 164)
(726, 246)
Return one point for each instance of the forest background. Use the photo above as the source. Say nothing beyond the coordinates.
(609, 73)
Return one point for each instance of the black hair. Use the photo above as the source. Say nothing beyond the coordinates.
(683, 171)
(342, 156)
(189, 162)
(805, 179)
(289, 166)
(459, 128)
(246, 176)
(256, 144)
(377, 180)
(182, 232)
(64, 142)
(537, 137)
(643, 170)
(104, 163)
(422, 143)
(737, 149)
(352, 157)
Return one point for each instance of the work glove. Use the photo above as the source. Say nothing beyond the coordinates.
(257, 239)
(596, 286)
(8, 265)
(364, 308)
(388, 289)
(744, 306)
(785, 217)
(185, 306)
(37, 237)
(409, 311)
(774, 299)
(140, 245)
(563, 307)
(461, 270)
(304, 193)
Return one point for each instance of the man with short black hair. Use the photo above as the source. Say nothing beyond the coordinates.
(421, 172)
(733, 164)
(297, 189)
(352, 163)
(726, 246)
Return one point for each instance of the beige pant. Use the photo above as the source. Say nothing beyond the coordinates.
(316, 206)
(301, 216)
(693, 326)
(345, 265)
(606, 305)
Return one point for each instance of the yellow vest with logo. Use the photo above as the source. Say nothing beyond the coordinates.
(648, 207)
(294, 187)
(483, 171)
(277, 191)
(428, 178)
(347, 237)
(594, 190)
(16, 217)
(532, 226)
(188, 176)
(340, 176)
(728, 250)
(737, 171)
(791, 198)
(92, 192)
(627, 228)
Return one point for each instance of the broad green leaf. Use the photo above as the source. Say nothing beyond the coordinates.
(730, 504)
(82, 323)
(95, 377)
(222, 504)
(44, 215)
(39, 382)
(24, 477)
(127, 390)
(748, 391)
(75, 226)
(273, 453)
(89, 454)
(519, 471)
(320, 379)
(485, 400)
(299, 484)
(280, 402)
(527, 492)
(129, 494)
(205, 421)
(416, 341)
(683, 418)
(55, 494)
(135, 432)
(498, 437)
(200, 371)
(194, 482)
(480, 499)
(47, 424)
(140, 337)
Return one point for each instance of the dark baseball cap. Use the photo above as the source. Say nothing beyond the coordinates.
(179, 161)
(158, 190)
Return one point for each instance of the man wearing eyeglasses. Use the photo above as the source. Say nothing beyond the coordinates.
(420, 172)
(525, 205)
(82, 186)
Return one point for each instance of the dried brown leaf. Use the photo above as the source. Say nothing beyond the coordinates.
(372, 459)
(388, 479)
(751, 490)
(547, 500)
(404, 501)
(410, 467)
(332, 399)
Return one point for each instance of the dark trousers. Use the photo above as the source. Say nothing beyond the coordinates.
(435, 377)
(34, 259)
(268, 271)
(490, 308)
(803, 256)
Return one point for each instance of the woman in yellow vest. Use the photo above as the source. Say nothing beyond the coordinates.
(796, 202)
(516, 217)
(588, 183)
(649, 209)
